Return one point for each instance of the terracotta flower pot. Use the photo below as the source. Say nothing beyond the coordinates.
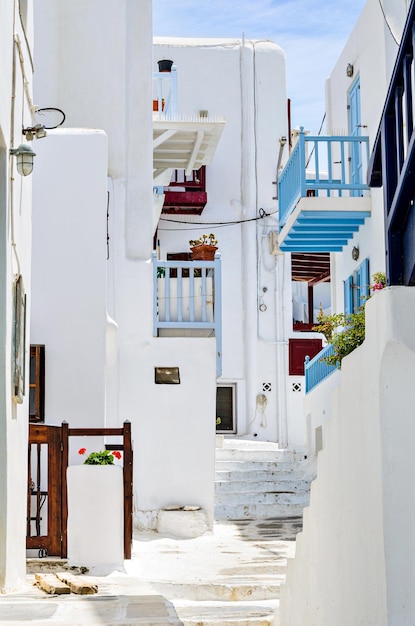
(203, 252)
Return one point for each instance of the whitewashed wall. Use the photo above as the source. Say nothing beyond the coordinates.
(354, 558)
(69, 313)
(15, 249)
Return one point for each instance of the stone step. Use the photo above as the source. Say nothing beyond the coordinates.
(258, 475)
(262, 486)
(267, 497)
(258, 454)
(227, 614)
(229, 590)
(266, 465)
(258, 511)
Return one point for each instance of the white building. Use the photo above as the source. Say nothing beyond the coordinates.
(107, 314)
(354, 558)
(16, 108)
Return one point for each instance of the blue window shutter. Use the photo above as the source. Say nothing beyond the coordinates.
(364, 280)
(348, 295)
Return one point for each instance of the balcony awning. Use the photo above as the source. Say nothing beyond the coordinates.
(184, 142)
(323, 224)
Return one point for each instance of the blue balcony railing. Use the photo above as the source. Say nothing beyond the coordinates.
(337, 164)
(187, 296)
(165, 92)
(316, 369)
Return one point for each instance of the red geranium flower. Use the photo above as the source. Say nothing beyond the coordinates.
(117, 454)
(81, 450)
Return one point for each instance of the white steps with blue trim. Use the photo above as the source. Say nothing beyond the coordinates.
(256, 479)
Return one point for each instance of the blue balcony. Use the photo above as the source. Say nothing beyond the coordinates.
(316, 370)
(187, 300)
(322, 198)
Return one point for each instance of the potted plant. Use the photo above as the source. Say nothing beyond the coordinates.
(204, 248)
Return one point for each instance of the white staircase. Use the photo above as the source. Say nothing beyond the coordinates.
(256, 480)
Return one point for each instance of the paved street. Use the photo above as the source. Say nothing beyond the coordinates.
(231, 576)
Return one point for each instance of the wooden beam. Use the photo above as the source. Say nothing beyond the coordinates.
(51, 584)
(80, 586)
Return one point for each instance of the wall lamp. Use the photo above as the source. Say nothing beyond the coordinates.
(349, 70)
(24, 158)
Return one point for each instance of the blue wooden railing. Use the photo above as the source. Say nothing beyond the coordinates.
(187, 295)
(316, 370)
(166, 92)
(329, 159)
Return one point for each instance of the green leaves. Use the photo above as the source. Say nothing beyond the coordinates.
(344, 332)
(104, 457)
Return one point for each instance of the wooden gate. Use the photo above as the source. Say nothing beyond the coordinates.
(46, 493)
(47, 503)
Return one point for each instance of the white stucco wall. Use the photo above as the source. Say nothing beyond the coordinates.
(104, 82)
(15, 251)
(354, 558)
(69, 313)
(174, 426)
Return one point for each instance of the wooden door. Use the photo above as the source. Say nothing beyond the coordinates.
(46, 493)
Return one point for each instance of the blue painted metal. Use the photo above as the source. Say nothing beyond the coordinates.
(166, 90)
(174, 317)
(316, 370)
(392, 162)
(355, 124)
(337, 181)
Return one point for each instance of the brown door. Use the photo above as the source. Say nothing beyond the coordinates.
(46, 523)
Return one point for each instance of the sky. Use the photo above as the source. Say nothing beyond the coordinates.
(311, 33)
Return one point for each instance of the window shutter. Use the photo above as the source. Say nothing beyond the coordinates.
(348, 295)
(364, 280)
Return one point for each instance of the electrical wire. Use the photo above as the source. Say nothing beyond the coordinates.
(261, 216)
(387, 23)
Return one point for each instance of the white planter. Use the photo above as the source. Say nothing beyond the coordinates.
(95, 515)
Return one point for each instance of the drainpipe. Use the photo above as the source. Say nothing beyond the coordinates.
(281, 351)
(248, 234)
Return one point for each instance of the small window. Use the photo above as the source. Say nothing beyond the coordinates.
(37, 384)
(225, 408)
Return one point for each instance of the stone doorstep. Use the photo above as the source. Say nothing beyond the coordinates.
(52, 564)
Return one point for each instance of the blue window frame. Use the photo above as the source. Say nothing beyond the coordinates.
(357, 288)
